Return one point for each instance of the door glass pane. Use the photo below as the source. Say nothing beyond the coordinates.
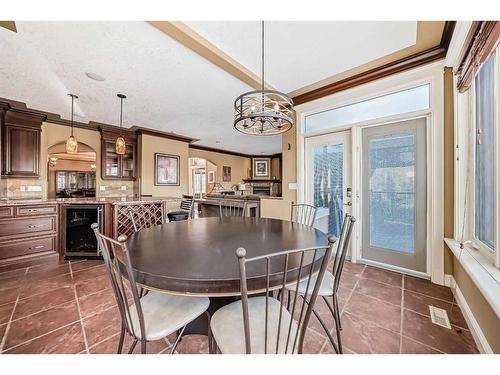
(409, 100)
(392, 192)
(328, 161)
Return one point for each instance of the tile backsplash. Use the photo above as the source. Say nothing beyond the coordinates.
(23, 188)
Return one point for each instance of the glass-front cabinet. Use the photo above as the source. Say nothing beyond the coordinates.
(115, 166)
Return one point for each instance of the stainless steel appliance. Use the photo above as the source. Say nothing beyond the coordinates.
(78, 237)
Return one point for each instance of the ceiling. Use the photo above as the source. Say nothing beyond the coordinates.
(169, 86)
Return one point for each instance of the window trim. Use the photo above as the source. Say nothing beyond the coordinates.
(465, 150)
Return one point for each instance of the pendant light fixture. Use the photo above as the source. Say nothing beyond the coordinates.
(120, 145)
(71, 143)
(263, 112)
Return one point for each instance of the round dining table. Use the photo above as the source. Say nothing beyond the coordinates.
(198, 257)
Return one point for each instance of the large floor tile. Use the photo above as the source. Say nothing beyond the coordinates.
(65, 340)
(362, 336)
(355, 269)
(409, 346)
(6, 312)
(8, 295)
(43, 301)
(348, 280)
(33, 287)
(102, 325)
(92, 285)
(193, 344)
(28, 328)
(12, 281)
(375, 311)
(89, 273)
(426, 287)
(313, 342)
(384, 292)
(110, 346)
(421, 328)
(382, 276)
(96, 302)
(85, 264)
(47, 271)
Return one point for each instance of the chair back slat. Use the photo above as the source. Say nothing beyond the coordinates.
(232, 207)
(303, 214)
(343, 246)
(284, 268)
(187, 204)
(117, 260)
(145, 216)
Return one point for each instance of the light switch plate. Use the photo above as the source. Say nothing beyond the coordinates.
(22, 187)
(292, 186)
(102, 188)
(37, 188)
(124, 187)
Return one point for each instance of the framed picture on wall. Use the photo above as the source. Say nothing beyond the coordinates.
(261, 168)
(226, 174)
(167, 170)
(211, 177)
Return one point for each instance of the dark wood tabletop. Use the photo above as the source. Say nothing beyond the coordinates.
(198, 257)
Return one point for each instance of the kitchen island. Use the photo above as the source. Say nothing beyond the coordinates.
(35, 230)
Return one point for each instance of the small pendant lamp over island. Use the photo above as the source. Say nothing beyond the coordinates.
(71, 143)
(120, 145)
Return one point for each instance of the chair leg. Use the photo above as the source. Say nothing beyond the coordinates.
(132, 347)
(178, 339)
(288, 300)
(336, 317)
(325, 328)
(336, 301)
(122, 339)
(210, 338)
(143, 346)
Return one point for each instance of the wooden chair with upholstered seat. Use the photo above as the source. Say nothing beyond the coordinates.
(153, 316)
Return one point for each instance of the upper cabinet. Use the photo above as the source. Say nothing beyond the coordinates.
(21, 144)
(115, 166)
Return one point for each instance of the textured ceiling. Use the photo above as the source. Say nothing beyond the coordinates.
(170, 87)
(299, 53)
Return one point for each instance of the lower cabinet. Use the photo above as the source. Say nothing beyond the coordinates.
(27, 232)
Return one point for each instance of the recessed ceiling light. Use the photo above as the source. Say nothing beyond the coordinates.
(95, 77)
(217, 141)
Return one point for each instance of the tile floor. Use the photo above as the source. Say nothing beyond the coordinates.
(69, 308)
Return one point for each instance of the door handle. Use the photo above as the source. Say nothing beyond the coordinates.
(348, 203)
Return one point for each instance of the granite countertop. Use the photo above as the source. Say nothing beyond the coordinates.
(87, 200)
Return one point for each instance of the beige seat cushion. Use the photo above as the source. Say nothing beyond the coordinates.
(165, 314)
(326, 288)
(228, 330)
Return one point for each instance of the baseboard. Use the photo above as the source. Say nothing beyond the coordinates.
(475, 329)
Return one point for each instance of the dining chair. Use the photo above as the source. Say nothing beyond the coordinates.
(330, 282)
(303, 214)
(144, 216)
(232, 207)
(261, 324)
(186, 207)
(153, 316)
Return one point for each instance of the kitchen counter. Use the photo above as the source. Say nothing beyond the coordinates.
(87, 200)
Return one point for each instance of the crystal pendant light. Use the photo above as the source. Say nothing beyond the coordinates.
(263, 112)
(71, 143)
(120, 145)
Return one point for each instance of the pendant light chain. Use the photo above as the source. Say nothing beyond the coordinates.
(262, 55)
(72, 102)
(121, 114)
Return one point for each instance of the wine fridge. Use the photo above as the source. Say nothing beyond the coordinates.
(79, 240)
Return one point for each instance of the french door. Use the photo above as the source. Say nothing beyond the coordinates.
(394, 194)
(328, 176)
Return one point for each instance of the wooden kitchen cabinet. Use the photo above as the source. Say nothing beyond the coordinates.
(114, 166)
(21, 144)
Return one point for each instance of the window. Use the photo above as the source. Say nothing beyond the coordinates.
(486, 155)
(405, 101)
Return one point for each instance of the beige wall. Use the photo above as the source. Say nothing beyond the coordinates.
(239, 164)
(482, 311)
(151, 145)
(280, 208)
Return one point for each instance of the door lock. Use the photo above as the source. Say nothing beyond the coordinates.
(348, 203)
